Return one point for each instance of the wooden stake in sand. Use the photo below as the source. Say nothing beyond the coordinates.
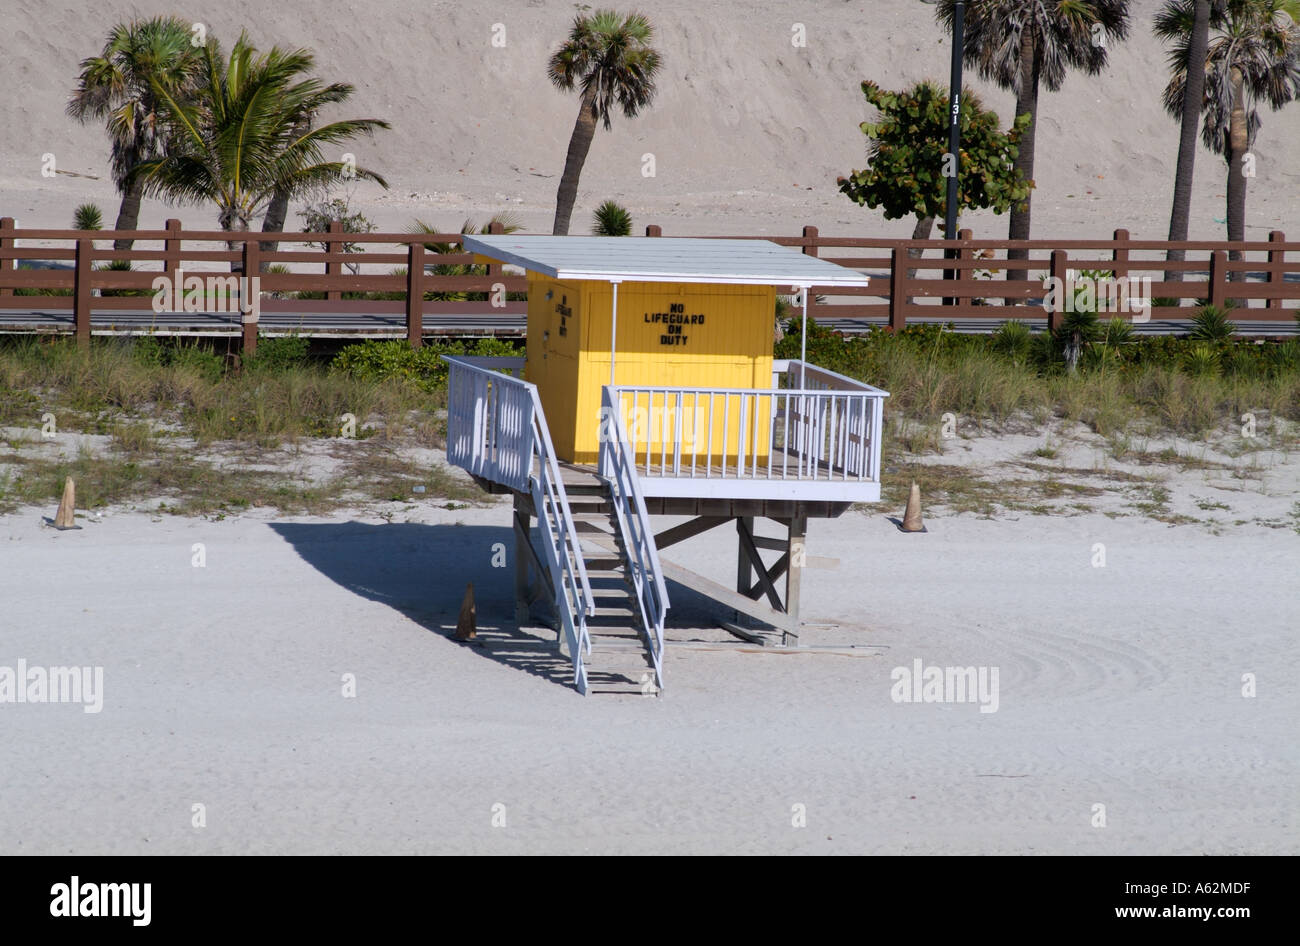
(467, 623)
(63, 519)
(912, 517)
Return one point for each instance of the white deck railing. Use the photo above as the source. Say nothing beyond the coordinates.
(618, 467)
(811, 425)
(496, 430)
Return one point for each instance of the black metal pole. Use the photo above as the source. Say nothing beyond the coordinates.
(954, 135)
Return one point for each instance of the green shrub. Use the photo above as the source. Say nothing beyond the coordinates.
(279, 354)
(88, 217)
(611, 219)
(1211, 324)
(424, 367)
(150, 351)
(1116, 332)
(1013, 338)
(208, 364)
(1202, 358)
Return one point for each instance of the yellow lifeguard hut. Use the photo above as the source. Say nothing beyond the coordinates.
(650, 389)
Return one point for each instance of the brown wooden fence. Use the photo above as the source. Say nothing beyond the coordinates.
(1256, 276)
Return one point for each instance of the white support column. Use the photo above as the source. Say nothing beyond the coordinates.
(613, 328)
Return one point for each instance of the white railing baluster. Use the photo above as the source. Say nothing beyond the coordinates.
(496, 429)
(677, 435)
(726, 426)
(785, 440)
(663, 434)
(708, 456)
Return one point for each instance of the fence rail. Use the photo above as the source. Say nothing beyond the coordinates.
(387, 275)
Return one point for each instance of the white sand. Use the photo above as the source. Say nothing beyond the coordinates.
(748, 131)
(1119, 686)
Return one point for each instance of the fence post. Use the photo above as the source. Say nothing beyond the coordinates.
(653, 230)
(7, 242)
(494, 269)
(248, 320)
(415, 294)
(1120, 239)
(81, 291)
(965, 254)
(1060, 270)
(897, 289)
(332, 268)
(1276, 259)
(172, 249)
(1119, 254)
(1218, 278)
(810, 233)
(810, 249)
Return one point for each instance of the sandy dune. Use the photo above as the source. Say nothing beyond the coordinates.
(749, 132)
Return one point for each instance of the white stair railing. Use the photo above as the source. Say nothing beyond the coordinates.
(496, 430)
(617, 465)
(827, 429)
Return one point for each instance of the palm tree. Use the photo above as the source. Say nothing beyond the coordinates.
(506, 222)
(609, 55)
(118, 85)
(306, 98)
(87, 217)
(1020, 44)
(611, 219)
(1169, 25)
(1253, 55)
(239, 139)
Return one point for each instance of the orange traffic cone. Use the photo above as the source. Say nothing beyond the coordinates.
(912, 517)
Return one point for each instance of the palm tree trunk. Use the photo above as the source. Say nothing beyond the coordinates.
(235, 223)
(1073, 349)
(1237, 146)
(922, 230)
(278, 209)
(584, 129)
(1026, 104)
(276, 212)
(128, 215)
(1193, 96)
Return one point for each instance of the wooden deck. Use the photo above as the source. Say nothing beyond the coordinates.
(702, 495)
(319, 321)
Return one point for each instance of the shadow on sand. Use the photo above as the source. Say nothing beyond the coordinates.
(421, 571)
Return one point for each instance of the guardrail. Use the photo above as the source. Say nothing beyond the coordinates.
(496, 430)
(399, 274)
(617, 465)
(329, 272)
(811, 425)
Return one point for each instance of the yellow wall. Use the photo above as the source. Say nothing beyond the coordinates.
(553, 353)
(669, 334)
